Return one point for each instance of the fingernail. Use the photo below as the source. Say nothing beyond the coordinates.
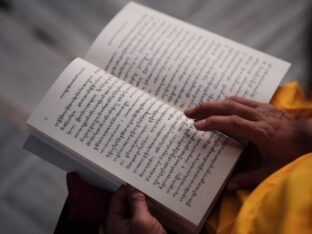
(189, 110)
(233, 186)
(200, 124)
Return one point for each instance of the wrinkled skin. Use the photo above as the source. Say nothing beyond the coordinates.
(275, 138)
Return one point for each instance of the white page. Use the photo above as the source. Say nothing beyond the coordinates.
(108, 124)
(182, 64)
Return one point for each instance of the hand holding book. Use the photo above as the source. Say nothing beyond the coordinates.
(275, 136)
(128, 214)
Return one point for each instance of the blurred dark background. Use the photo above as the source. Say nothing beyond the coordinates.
(38, 38)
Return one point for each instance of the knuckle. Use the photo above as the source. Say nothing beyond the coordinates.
(255, 114)
(137, 197)
(230, 105)
(267, 130)
(234, 120)
(281, 114)
(138, 221)
(210, 121)
(264, 110)
(268, 108)
(272, 117)
(231, 98)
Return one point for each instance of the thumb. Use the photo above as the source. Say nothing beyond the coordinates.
(137, 203)
(248, 179)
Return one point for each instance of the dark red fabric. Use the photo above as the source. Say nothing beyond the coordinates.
(65, 227)
(85, 208)
(87, 204)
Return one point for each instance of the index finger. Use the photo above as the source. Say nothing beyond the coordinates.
(245, 101)
(224, 108)
(231, 125)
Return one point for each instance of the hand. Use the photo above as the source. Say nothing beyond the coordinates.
(128, 214)
(276, 138)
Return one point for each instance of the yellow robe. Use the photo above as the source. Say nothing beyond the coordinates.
(283, 202)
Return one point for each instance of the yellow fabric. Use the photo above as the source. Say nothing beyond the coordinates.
(292, 100)
(283, 202)
(280, 204)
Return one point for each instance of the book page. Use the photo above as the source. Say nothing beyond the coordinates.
(115, 129)
(182, 64)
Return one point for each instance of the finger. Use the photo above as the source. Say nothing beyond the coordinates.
(118, 216)
(231, 125)
(248, 179)
(137, 202)
(118, 205)
(224, 107)
(245, 101)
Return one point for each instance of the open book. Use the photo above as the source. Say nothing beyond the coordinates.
(118, 113)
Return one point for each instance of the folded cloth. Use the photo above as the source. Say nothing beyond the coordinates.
(280, 204)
